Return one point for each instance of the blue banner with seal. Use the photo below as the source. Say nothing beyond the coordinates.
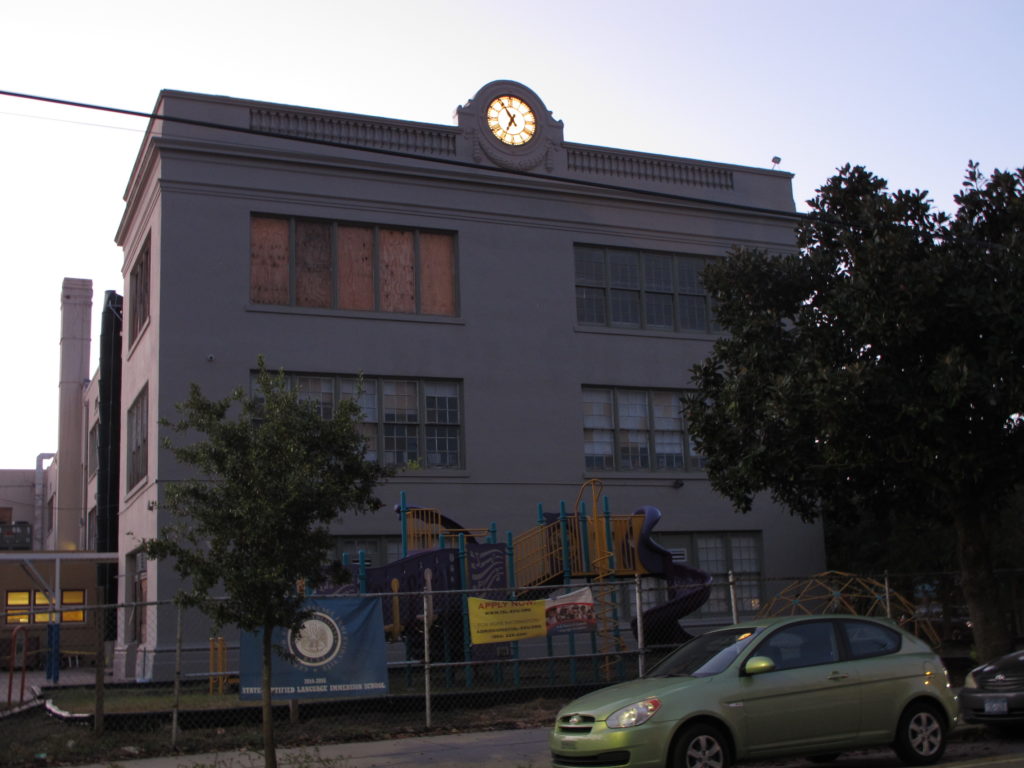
(339, 653)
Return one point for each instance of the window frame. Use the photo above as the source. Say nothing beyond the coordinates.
(394, 290)
(612, 294)
(137, 444)
(447, 424)
(624, 428)
(139, 291)
(27, 613)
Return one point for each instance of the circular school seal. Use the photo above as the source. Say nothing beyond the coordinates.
(320, 641)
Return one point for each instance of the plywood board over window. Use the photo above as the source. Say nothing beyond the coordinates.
(397, 271)
(355, 268)
(313, 264)
(437, 274)
(269, 245)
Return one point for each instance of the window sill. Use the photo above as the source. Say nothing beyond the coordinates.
(280, 309)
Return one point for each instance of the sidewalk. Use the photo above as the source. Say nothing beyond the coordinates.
(527, 748)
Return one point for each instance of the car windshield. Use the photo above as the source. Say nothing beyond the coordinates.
(705, 655)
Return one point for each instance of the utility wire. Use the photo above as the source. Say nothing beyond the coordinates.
(407, 155)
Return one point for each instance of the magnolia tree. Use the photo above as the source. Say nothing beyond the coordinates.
(877, 375)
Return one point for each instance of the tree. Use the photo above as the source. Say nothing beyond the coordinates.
(878, 373)
(253, 523)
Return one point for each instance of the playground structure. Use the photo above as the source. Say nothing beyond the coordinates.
(587, 545)
(839, 592)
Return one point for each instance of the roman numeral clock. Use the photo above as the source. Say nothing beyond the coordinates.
(507, 124)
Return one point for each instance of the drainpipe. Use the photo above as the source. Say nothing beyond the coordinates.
(37, 511)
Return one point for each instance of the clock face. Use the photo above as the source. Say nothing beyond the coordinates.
(511, 120)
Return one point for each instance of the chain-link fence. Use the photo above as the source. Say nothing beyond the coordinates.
(152, 665)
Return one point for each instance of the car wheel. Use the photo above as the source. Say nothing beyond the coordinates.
(701, 746)
(921, 735)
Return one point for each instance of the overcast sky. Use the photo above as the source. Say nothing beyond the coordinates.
(912, 89)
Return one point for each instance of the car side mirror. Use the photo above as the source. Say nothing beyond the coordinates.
(758, 665)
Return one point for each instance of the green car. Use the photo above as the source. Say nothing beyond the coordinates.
(808, 685)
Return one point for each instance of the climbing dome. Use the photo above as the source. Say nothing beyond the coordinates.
(838, 592)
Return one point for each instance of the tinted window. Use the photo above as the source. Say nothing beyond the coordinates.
(801, 645)
(868, 639)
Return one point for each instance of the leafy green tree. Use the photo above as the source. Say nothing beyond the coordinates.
(878, 373)
(252, 524)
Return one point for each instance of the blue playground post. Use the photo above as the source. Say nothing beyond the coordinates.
(403, 511)
(53, 657)
(567, 580)
(510, 556)
(466, 637)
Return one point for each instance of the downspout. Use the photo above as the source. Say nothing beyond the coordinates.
(37, 507)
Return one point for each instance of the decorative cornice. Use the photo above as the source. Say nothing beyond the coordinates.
(352, 131)
(657, 169)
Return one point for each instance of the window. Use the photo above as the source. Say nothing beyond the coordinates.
(377, 550)
(136, 625)
(138, 295)
(336, 265)
(719, 554)
(137, 453)
(630, 430)
(647, 290)
(24, 606)
(866, 639)
(801, 645)
(406, 423)
(93, 456)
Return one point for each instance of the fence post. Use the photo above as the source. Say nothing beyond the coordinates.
(101, 666)
(641, 650)
(426, 649)
(732, 598)
(177, 679)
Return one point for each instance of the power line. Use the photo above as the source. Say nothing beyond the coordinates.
(406, 155)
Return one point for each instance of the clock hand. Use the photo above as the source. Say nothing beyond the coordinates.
(511, 117)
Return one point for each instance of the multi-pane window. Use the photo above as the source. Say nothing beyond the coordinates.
(740, 553)
(649, 290)
(93, 456)
(408, 423)
(376, 550)
(718, 554)
(137, 450)
(24, 606)
(362, 267)
(138, 295)
(636, 430)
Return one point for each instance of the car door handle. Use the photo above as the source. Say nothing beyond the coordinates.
(838, 676)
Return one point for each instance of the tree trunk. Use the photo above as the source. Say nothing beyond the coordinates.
(975, 528)
(269, 748)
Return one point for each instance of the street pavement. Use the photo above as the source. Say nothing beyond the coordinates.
(526, 748)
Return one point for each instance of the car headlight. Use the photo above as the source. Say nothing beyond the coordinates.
(634, 714)
(969, 681)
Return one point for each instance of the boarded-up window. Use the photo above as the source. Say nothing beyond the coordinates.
(313, 264)
(355, 268)
(397, 271)
(268, 283)
(437, 274)
(331, 265)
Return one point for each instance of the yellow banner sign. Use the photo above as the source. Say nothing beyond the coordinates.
(502, 621)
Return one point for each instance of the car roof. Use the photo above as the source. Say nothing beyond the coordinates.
(778, 621)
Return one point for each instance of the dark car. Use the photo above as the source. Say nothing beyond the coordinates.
(993, 693)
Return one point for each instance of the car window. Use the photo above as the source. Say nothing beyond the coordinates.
(801, 645)
(706, 654)
(867, 639)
